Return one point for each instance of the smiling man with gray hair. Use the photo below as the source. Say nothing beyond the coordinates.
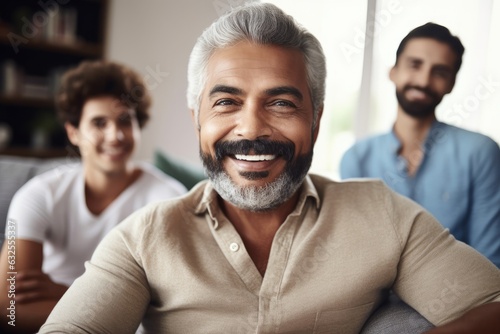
(263, 246)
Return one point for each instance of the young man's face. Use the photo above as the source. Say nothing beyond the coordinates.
(107, 134)
(424, 73)
(256, 124)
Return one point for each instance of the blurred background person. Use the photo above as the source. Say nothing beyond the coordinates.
(452, 172)
(63, 214)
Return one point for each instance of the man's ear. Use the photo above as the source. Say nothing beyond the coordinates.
(72, 133)
(195, 123)
(392, 73)
(318, 121)
(452, 84)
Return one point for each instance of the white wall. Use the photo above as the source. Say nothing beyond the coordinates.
(159, 34)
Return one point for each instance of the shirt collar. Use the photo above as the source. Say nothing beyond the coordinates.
(308, 190)
(395, 143)
(209, 199)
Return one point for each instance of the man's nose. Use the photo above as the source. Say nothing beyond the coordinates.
(114, 133)
(253, 122)
(422, 78)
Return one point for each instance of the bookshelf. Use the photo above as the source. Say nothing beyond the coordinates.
(39, 41)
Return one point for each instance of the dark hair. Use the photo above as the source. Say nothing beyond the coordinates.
(99, 78)
(439, 33)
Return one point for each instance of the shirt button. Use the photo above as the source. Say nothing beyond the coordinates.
(234, 247)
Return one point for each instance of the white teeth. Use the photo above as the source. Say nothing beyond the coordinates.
(265, 157)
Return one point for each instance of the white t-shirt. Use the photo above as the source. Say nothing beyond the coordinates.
(51, 209)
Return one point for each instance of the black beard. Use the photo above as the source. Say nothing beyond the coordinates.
(417, 109)
(294, 172)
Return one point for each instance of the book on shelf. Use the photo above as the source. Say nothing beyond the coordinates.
(15, 82)
(9, 77)
(61, 25)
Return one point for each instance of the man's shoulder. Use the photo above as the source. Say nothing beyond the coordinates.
(373, 145)
(364, 198)
(349, 189)
(373, 140)
(465, 137)
(45, 194)
(61, 177)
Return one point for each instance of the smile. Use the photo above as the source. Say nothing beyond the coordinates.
(114, 151)
(266, 157)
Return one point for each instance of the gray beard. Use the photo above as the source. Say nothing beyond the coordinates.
(256, 198)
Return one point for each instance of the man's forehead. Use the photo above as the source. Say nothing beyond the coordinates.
(250, 55)
(429, 49)
(108, 104)
(240, 63)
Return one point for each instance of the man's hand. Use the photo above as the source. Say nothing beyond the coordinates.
(34, 285)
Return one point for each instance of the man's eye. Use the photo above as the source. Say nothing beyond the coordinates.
(99, 123)
(442, 74)
(125, 120)
(224, 102)
(283, 106)
(282, 103)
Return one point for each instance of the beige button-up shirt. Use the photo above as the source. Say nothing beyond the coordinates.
(181, 267)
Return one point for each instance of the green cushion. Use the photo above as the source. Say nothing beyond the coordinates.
(186, 174)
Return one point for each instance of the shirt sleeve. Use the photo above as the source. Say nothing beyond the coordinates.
(484, 219)
(112, 295)
(438, 276)
(29, 210)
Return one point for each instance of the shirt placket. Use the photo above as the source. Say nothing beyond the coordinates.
(234, 250)
(270, 314)
(267, 305)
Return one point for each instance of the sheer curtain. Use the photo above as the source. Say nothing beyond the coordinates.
(360, 38)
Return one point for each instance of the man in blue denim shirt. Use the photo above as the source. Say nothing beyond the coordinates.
(452, 172)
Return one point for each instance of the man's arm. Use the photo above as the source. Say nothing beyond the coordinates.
(27, 300)
(110, 297)
(441, 278)
(484, 219)
(484, 319)
(484, 236)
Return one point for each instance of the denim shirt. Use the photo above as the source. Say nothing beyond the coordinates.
(458, 180)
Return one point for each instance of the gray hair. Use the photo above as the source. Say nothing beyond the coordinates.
(261, 23)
